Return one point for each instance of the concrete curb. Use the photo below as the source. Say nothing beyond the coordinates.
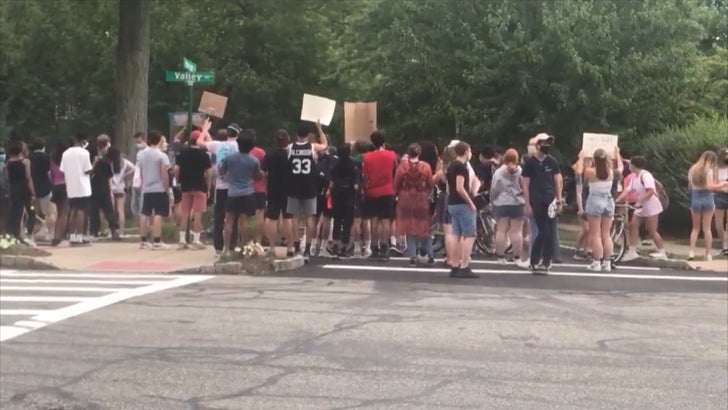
(24, 262)
(239, 268)
(665, 263)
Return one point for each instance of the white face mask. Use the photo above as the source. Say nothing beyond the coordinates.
(140, 145)
(84, 144)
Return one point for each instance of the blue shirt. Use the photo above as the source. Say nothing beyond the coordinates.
(239, 171)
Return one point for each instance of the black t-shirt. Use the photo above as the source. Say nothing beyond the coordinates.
(456, 169)
(303, 184)
(276, 165)
(345, 175)
(40, 166)
(541, 187)
(100, 177)
(484, 172)
(192, 163)
(324, 166)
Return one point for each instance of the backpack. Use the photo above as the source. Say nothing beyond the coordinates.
(661, 193)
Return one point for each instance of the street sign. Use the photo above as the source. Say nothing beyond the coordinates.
(205, 77)
(189, 65)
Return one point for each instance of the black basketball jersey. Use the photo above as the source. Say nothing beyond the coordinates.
(302, 161)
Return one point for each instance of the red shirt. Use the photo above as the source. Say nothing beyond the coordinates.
(258, 183)
(378, 168)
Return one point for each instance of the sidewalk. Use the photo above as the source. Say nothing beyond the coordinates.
(126, 257)
(674, 250)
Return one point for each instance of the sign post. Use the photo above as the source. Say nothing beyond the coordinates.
(190, 76)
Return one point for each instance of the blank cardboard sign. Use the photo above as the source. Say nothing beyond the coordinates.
(315, 108)
(213, 104)
(360, 120)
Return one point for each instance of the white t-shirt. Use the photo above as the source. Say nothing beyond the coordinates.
(118, 181)
(221, 149)
(75, 165)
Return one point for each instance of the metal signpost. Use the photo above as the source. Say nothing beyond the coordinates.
(191, 77)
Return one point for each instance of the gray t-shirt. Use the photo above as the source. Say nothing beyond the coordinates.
(150, 162)
(239, 170)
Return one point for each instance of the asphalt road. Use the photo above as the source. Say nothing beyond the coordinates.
(357, 336)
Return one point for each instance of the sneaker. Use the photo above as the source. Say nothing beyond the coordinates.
(595, 266)
(182, 246)
(144, 245)
(630, 256)
(522, 264)
(454, 272)
(725, 252)
(501, 260)
(373, 253)
(413, 261)
(115, 236)
(691, 255)
(324, 253)
(658, 255)
(160, 246)
(357, 253)
(607, 266)
(580, 256)
(708, 258)
(198, 246)
(647, 242)
(466, 273)
(430, 261)
(367, 253)
(510, 259)
(307, 257)
(218, 254)
(533, 269)
(544, 269)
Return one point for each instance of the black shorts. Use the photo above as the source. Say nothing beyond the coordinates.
(155, 203)
(277, 207)
(322, 207)
(259, 201)
(381, 207)
(81, 204)
(177, 194)
(59, 196)
(241, 205)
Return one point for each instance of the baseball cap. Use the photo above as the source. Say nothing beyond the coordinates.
(544, 139)
(233, 130)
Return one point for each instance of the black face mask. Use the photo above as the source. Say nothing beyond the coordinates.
(545, 149)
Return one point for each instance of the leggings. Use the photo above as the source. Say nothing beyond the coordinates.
(19, 202)
(342, 201)
(542, 247)
(101, 201)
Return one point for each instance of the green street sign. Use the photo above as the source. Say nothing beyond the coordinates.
(207, 77)
(189, 65)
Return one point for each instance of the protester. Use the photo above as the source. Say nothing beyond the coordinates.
(378, 167)
(508, 202)
(40, 170)
(76, 167)
(259, 189)
(442, 215)
(702, 182)
(413, 184)
(462, 212)
(325, 163)
(193, 170)
(487, 164)
(17, 173)
(301, 202)
(59, 196)
(648, 210)
(277, 170)
(136, 186)
(721, 202)
(599, 210)
(543, 187)
(345, 184)
(361, 230)
(239, 169)
(153, 167)
(122, 169)
(102, 198)
(583, 246)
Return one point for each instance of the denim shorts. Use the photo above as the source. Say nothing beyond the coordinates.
(599, 205)
(508, 211)
(702, 200)
(721, 201)
(463, 220)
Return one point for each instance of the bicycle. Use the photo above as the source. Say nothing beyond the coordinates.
(618, 232)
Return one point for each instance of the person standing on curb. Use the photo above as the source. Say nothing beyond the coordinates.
(277, 173)
(543, 188)
(260, 194)
(76, 167)
(506, 197)
(40, 171)
(378, 168)
(153, 167)
(193, 171)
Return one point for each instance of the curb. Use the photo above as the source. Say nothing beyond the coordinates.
(24, 262)
(665, 263)
(238, 268)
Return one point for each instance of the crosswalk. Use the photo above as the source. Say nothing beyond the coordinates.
(30, 300)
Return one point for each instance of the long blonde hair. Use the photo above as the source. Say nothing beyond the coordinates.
(698, 174)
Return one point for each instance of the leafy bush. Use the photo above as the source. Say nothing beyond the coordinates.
(671, 153)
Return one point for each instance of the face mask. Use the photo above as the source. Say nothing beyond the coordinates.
(2, 158)
(84, 144)
(545, 149)
(140, 145)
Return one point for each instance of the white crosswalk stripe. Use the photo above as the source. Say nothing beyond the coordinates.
(30, 300)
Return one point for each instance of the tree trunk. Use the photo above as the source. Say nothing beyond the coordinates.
(132, 72)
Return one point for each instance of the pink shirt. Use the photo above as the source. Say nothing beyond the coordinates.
(57, 175)
(640, 184)
(259, 183)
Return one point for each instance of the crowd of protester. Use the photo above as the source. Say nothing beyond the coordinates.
(355, 200)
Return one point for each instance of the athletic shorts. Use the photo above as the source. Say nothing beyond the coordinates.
(381, 207)
(194, 201)
(81, 204)
(322, 207)
(508, 211)
(241, 205)
(260, 201)
(301, 207)
(59, 195)
(155, 203)
(277, 207)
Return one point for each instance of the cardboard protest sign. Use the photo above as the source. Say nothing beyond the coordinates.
(592, 142)
(213, 104)
(315, 108)
(177, 120)
(360, 120)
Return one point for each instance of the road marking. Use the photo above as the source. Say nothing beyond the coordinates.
(21, 312)
(42, 299)
(90, 282)
(525, 272)
(60, 289)
(556, 265)
(84, 275)
(42, 318)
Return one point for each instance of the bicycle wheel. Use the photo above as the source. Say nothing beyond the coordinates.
(485, 239)
(619, 241)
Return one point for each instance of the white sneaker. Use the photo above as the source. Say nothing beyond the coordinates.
(357, 253)
(323, 253)
(501, 261)
(630, 256)
(691, 255)
(182, 246)
(367, 253)
(606, 266)
(160, 246)
(594, 267)
(198, 246)
(658, 255)
(144, 245)
(522, 264)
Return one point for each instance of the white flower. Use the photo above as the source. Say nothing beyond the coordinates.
(7, 241)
